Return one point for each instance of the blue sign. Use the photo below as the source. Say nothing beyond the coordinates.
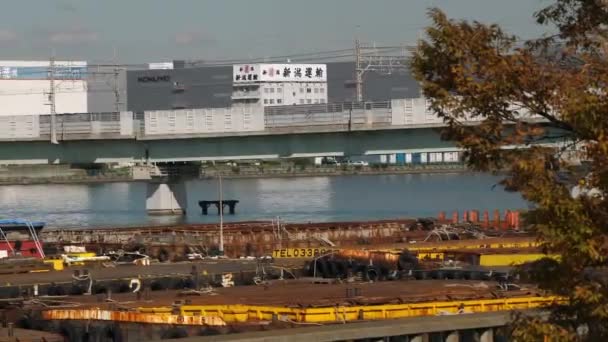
(34, 73)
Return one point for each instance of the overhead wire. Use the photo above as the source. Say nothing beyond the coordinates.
(90, 74)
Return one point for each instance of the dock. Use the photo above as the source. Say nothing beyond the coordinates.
(231, 204)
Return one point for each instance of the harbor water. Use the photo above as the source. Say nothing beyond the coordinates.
(341, 198)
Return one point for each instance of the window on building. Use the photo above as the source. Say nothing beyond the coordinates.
(272, 90)
(279, 90)
(309, 101)
(266, 90)
(322, 100)
(271, 101)
(316, 101)
(321, 90)
(265, 101)
(316, 91)
(308, 90)
(301, 90)
(294, 93)
(279, 101)
(301, 101)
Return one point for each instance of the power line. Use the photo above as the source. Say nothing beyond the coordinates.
(317, 55)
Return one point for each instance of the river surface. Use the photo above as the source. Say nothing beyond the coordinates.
(340, 198)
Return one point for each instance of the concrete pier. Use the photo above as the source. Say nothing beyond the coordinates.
(231, 204)
(166, 198)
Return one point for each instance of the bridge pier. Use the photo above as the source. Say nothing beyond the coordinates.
(419, 338)
(166, 198)
(487, 336)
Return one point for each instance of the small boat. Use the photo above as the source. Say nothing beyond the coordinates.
(20, 226)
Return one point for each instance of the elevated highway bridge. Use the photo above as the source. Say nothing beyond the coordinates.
(248, 132)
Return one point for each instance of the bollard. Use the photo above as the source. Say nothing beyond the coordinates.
(455, 217)
(496, 219)
(486, 219)
(441, 216)
(474, 216)
(507, 223)
(11, 333)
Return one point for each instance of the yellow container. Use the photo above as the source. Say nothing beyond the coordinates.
(510, 259)
(56, 263)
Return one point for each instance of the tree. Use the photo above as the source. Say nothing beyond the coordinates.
(528, 93)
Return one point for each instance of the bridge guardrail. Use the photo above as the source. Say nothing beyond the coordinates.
(222, 121)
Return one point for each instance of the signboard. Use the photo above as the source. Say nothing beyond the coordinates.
(37, 72)
(160, 66)
(243, 73)
(153, 79)
(8, 72)
(301, 252)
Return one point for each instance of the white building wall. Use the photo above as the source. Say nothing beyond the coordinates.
(412, 111)
(204, 121)
(280, 84)
(292, 93)
(29, 97)
(19, 126)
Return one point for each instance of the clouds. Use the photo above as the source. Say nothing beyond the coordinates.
(66, 6)
(72, 36)
(65, 36)
(7, 35)
(191, 38)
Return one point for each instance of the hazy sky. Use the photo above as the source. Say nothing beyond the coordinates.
(156, 30)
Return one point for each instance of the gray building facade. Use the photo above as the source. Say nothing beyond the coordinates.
(106, 89)
(211, 86)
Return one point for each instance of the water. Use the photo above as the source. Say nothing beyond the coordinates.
(293, 199)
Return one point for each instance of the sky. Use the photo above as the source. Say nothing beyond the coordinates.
(139, 31)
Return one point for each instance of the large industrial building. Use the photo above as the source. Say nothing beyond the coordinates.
(25, 88)
(180, 86)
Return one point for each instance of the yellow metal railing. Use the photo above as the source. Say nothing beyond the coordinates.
(424, 247)
(247, 313)
(222, 314)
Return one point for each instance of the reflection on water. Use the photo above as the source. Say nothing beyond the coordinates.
(294, 199)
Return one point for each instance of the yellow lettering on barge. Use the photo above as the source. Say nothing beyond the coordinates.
(301, 252)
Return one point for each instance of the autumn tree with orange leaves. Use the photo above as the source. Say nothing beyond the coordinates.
(527, 94)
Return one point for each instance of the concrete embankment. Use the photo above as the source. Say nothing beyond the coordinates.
(60, 174)
(64, 174)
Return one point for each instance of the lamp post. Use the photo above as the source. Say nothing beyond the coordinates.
(221, 207)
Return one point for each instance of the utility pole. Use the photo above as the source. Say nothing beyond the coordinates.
(377, 59)
(117, 102)
(358, 71)
(221, 205)
(52, 100)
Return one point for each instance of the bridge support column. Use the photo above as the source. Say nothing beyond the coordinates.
(420, 338)
(166, 198)
(487, 336)
(453, 336)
